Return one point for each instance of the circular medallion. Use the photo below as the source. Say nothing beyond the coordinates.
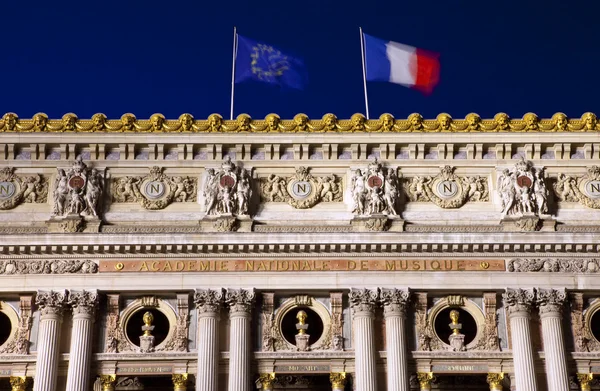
(227, 181)
(7, 190)
(592, 189)
(447, 189)
(155, 189)
(524, 181)
(76, 182)
(374, 181)
(300, 189)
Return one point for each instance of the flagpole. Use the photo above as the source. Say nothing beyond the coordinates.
(362, 54)
(233, 70)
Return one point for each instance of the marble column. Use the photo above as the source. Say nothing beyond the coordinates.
(518, 304)
(51, 305)
(338, 381)
(425, 379)
(266, 381)
(495, 381)
(19, 383)
(394, 309)
(363, 303)
(240, 302)
(84, 307)
(108, 382)
(208, 305)
(180, 381)
(585, 381)
(550, 303)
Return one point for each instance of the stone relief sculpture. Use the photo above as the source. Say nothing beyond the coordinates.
(302, 190)
(227, 191)
(523, 190)
(156, 190)
(447, 190)
(584, 189)
(375, 191)
(16, 190)
(48, 266)
(77, 191)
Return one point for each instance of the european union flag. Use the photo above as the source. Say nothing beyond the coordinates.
(261, 62)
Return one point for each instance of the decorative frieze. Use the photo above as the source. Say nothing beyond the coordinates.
(155, 190)
(20, 343)
(302, 190)
(583, 189)
(48, 266)
(549, 265)
(17, 189)
(447, 190)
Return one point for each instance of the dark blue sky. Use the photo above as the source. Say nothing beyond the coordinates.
(175, 56)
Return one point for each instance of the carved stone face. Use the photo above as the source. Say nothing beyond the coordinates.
(590, 121)
(99, 121)
(473, 121)
(358, 121)
(186, 121)
(157, 121)
(560, 121)
(40, 121)
(330, 121)
(273, 122)
(301, 121)
(10, 121)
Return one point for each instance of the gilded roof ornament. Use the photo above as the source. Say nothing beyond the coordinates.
(273, 123)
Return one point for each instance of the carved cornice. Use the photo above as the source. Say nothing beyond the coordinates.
(51, 302)
(208, 300)
(272, 123)
(394, 301)
(549, 265)
(240, 300)
(83, 302)
(518, 301)
(363, 301)
(48, 266)
(551, 301)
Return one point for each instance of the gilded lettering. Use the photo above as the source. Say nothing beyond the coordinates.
(364, 265)
(179, 266)
(143, 267)
(295, 265)
(223, 266)
(416, 265)
(460, 265)
(435, 265)
(191, 265)
(167, 267)
(390, 265)
(249, 265)
(351, 265)
(154, 266)
(284, 265)
(204, 265)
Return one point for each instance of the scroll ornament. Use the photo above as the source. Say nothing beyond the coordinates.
(15, 189)
(48, 266)
(156, 190)
(78, 191)
(319, 189)
(227, 191)
(447, 190)
(549, 265)
(375, 191)
(523, 190)
(584, 189)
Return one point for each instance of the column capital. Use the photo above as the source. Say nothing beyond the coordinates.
(83, 302)
(19, 383)
(425, 379)
(240, 301)
(108, 382)
(51, 302)
(266, 380)
(551, 301)
(180, 381)
(585, 381)
(394, 301)
(518, 301)
(208, 301)
(495, 381)
(338, 380)
(363, 300)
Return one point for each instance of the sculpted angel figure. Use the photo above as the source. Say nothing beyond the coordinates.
(564, 188)
(226, 200)
(540, 192)
(391, 192)
(526, 205)
(60, 193)
(93, 191)
(32, 185)
(376, 204)
(359, 192)
(243, 193)
(210, 191)
(476, 188)
(277, 185)
(180, 188)
(416, 188)
(507, 190)
(77, 205)
(329, 189)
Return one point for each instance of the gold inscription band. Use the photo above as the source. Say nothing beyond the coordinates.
(404, 265)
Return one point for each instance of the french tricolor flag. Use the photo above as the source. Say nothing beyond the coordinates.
(401, 64)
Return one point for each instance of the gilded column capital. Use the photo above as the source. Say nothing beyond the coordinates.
(585, 381)
(495, 381)
(338, 380)
(363, 301)
(551, 301)
(394, 301)
(266, 380)
(208, 301)
(83, 302)
(180, 381)
(425, 379)
(51, 302)
(240, 301)
(19, 383)
(108, 382)
(518, 301)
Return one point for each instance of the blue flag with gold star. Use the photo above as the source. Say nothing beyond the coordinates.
(262, 62)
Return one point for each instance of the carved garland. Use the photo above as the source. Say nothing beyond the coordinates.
(569, 189)
(459, 189)
(48, 266)
(156, 190)
(572, 265)
(319, 189)
(15, 189)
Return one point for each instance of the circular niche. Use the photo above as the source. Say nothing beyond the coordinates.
(5, 328)
(442, 322)
(133, 328)
(595, 325)
(315, 325)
